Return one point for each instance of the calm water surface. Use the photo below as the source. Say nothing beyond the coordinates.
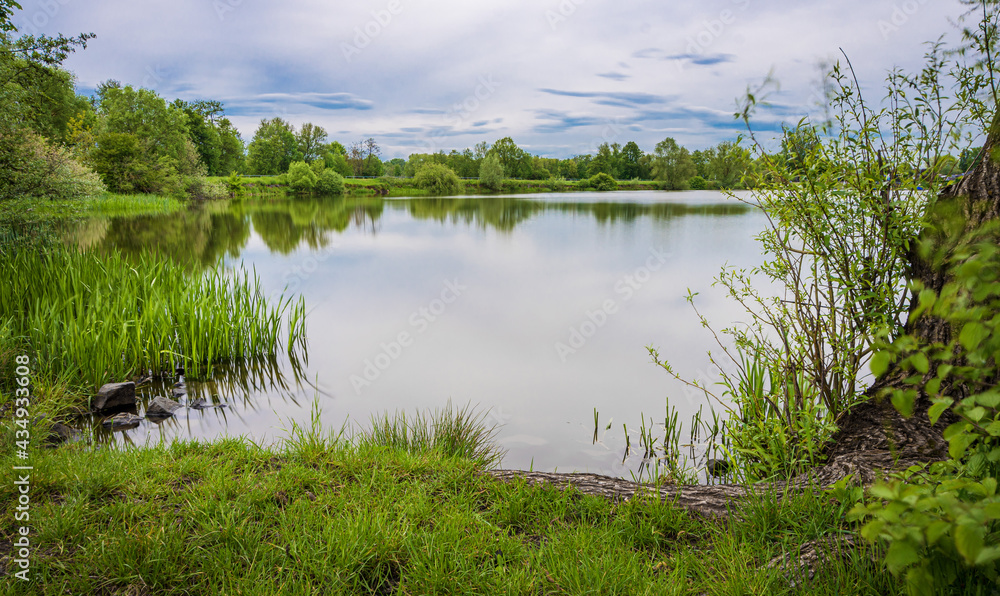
(535, 308)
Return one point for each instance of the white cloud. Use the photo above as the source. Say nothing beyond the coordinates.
(410, 72)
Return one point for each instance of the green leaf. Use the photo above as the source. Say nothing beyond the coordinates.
(992, 511)
(972, 335)
(988, 555)
(880, 362)
(976, 414)
(994, 428)
(969, 542)
(990, 399)
(919, 581)
(939, 407)
(958, 444)
(903, 401)
(935, 530)
(902, 553)
(919, 362)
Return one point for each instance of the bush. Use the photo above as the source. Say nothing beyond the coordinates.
(491, 173)
(603, 182)
(698, 183)
(301, 178)
(34, 168)
(330, 183)
(236, 185)
(437, 179)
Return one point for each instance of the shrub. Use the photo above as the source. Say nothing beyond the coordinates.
(35, 168)
(236, 185)
(437, 179)
(301, 178)
(603, 182)
(491, 173)
(330, 183)
(698, 183)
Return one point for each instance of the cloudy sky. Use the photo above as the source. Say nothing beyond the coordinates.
(559, 76)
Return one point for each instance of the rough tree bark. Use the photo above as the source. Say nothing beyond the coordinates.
(873, 437)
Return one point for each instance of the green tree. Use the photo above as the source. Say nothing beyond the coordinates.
(301, 177)
(672, 165)
(232, 157)
(632, 162)
(330, 183)
(512, 158)
(273, 149)
(729, 163)
(491, 173)
(603, 182)
(438, 179)
(310, 142)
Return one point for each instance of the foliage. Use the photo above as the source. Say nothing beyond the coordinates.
(491, 173)
(273, 148)
(95, 318)
(311, 140)
(35, 168)
(672, 165)
(437, 179)
(236, 186)
(301, 178)
(845, 201)
(603, 182)
(457, 433)
(330, 183)
(516, 162)
(697, 183)
(941, 522)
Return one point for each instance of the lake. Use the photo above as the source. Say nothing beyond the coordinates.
(535, 309)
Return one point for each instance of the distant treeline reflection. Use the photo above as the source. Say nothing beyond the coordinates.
(206, 233)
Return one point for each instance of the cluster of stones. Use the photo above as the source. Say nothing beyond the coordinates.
(122, 395)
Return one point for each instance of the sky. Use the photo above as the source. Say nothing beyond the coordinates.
(558, 76)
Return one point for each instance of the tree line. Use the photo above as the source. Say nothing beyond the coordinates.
(277, 144)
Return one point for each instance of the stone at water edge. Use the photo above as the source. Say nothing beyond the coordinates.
(114, 395)
(161, 407)
(178, 393)
(60, 433)
(120, 421)
(717, 467)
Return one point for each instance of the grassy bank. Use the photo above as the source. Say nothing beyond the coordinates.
(328, 515)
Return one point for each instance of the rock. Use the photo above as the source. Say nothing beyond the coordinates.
(114, 395)
(717, 467)
(161, 407)
(60, 433)
(202, 404)
(178, 393)
(121, 421)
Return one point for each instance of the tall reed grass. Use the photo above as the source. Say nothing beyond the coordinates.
(454, 432)
(95, 318)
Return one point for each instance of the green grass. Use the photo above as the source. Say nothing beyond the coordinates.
(322, 514)
(91, 318)
(36, 211)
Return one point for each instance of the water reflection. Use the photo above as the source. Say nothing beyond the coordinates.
(535, 269)
(205, 233)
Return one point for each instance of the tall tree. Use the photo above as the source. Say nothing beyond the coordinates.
(672, 165)
(311, 139)
(273, 148)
